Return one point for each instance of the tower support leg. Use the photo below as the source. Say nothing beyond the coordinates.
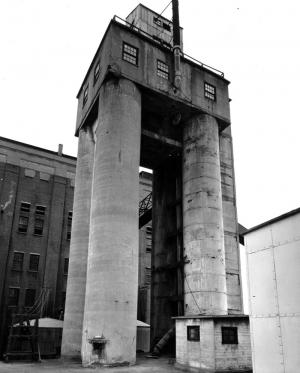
(203, 232)
(112, 272)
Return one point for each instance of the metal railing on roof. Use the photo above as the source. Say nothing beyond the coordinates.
(165, 44)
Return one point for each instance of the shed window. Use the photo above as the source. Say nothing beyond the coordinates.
(96, 72)
(29, 297)
(162, 69)
(23, 224)
(13, 296)
(193, 333)
(34, 260)
(229, 335)
(130, 54)
(85, 95)
(210, 91)
(18, 259)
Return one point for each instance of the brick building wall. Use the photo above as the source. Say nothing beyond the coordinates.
(36, 199)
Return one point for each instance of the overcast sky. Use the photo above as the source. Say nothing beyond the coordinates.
(47, 46)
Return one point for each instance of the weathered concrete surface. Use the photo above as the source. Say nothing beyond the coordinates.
(72, 332)
(143, 365)
(231, 239)
(112, 273)
(203, 235)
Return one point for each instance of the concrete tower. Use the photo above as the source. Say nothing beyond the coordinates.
(143, 102)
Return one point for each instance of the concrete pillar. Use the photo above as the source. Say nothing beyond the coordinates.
(112, 275)
(203, 233)
(75, 297)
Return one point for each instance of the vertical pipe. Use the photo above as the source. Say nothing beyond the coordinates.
(112, 272)
(75, 296)
(203, 233)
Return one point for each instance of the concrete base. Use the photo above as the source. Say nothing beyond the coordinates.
(186, 368)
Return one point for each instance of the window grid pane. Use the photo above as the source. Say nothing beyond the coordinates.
(34, 260)
(13, 296)
(25, 207)
(18, 259)
(40, 210)
(130, 54)
(23, 224)
(38, 226)
(162, 69)
(210, 91)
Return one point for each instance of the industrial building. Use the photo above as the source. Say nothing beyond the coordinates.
(273, 266)
(144, 102)
(36, 198)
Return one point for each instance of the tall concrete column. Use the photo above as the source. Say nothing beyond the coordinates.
(75, 297)
(112, 275)
(203, 233)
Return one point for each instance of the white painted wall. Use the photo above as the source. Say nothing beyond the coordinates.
(273, 261)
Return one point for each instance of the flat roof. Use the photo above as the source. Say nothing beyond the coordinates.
(274, 220)
(238, 316)
(36, 148)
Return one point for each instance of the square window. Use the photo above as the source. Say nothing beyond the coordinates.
(166, 26)
(96, 72)
(210, 91)
(34, 260)
(23, 224)
(130, 54)
(229, 335)
(193, 333)
(66, 266)
(85, 95)
(29, 297)
(25, 207)
(38, 226)
(18, 259)
(162, 70)
(157, 21)
(13, 296)
(40, 210)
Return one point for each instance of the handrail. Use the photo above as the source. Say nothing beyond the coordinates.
(166, 45)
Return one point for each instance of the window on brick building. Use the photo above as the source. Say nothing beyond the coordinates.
(23, 224)
(69, 225)
(34, 260)
(13, 296)
(40, 210)
(18, 259)
(193, 333)
(66, 266)
(38, 226)
(229, 335)
(147, 275)
(29, 297)
(25, 207)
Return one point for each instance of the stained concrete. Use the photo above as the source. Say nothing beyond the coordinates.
(143, 365)
(112, 272)
(72, 332)
(203, 237)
